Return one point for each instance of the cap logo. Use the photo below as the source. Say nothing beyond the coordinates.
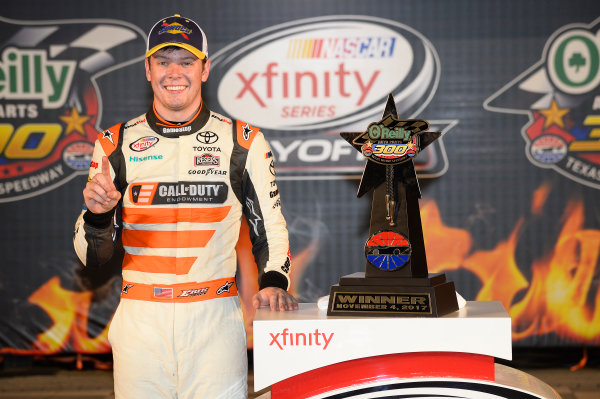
(174, 29)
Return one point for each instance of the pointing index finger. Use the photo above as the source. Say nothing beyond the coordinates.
(106, 167)
(104, 179)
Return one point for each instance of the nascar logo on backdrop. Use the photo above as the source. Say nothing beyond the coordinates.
(304, 81)
(49, 102)
(561, 96)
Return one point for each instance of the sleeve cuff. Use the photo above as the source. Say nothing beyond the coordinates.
(99, 220)
(273, 279)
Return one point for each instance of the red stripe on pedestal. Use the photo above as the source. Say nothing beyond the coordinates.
(378, 368)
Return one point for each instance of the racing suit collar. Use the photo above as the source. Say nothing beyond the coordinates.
(169, 129)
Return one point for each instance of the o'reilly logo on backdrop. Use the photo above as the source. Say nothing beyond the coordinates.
(561, 96)
(304, 81)
(49, 103)
(32, 76)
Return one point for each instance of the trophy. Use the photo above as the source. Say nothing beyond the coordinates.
(396, 282)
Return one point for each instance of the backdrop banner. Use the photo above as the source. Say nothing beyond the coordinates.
(510, 208)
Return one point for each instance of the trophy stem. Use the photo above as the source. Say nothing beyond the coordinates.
(390, 197)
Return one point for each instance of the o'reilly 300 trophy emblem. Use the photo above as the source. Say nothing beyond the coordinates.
(387, 144)
(390, 142)
(396, 281)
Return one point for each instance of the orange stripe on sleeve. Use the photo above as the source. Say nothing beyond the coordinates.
(167, 239)
(158, 264)
(175, 215)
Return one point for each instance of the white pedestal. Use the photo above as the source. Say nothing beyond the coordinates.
(306, 353)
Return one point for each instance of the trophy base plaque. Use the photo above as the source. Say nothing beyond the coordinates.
(357, 295)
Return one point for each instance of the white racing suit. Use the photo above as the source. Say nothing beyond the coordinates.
(178, 330)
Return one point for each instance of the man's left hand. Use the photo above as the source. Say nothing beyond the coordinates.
(276, 298)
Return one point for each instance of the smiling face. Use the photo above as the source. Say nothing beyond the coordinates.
(176, 76)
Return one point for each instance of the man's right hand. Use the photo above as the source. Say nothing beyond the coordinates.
(100, 193)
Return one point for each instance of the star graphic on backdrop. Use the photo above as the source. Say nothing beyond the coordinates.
(374, 173)
(74, 122)
(554, 115)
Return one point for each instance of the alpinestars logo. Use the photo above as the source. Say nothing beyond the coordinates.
(107, 134)
(50, 109)
(225, 287)
(126, 288)
(561, 96)
(253, 217)
(246, 132)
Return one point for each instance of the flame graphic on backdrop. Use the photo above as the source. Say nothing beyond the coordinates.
(558, 299)
(69, 312)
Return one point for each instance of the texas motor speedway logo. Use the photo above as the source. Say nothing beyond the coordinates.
(50, 105)
(304, 81)
(561, 96)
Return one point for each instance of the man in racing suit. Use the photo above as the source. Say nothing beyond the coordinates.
(177, 180)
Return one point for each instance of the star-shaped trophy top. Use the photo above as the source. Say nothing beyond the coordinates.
(391, 143)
